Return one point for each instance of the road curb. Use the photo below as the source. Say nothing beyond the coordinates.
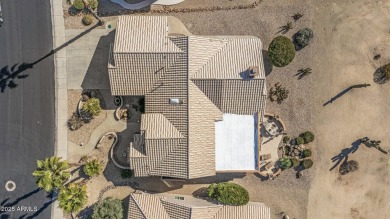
(61, 92)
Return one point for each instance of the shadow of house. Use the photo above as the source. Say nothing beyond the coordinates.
(267, 63)
(97, 73)
(125, 206)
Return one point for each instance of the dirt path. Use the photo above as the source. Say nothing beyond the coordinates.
(349, 35)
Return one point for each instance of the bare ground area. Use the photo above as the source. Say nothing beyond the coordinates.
(350, 34)
(82, 134)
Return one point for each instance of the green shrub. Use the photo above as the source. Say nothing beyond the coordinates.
(295, 162)
(87, 20)
(126, 174)
(93, 168)
(78, 4)
(286, 139)
(281, 51)
(92, 107)
(299, 140)
(93, 3)
(302, 38)
(285, 163)
(108, 208)
(307, 163)
(307, 136)
(228, 193)
(306, 153)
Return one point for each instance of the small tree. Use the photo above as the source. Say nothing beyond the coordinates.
(281, 51)
(349, 166)
(92, 106)
(51, 173)
(299, 140)
(302, 38)
(93, 168)
(228, 193)
(72, 198)
(78, 4)
(307, 136)
(307, 163)
(306, 153)
(108, 208)
(285, 163)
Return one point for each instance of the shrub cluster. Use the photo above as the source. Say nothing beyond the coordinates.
(93, 3)
(299, 140)
(108, 208)
(307, 163)
(228, 193)
(285, 163)
(307, 137)
(281, 51)
(306, 153)
(286, 139)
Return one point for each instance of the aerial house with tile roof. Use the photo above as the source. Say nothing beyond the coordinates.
(203, 97)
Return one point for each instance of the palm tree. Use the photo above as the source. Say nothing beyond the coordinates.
(51, 174)
(93, 168)
(72, 198)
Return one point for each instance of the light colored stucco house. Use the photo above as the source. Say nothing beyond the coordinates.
(170, 206)
(202, 94)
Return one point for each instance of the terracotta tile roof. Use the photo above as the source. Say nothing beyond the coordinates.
(204, 74)
(154, 206)
(146, 34)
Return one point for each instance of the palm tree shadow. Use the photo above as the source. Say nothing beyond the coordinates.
(9, 74)
(5, 204)
(343, 156)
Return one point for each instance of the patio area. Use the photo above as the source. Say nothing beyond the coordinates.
(270, 137)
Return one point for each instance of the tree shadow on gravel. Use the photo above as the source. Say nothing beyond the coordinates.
(379, 76)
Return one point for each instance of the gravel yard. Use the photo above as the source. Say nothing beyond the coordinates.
(82, 134)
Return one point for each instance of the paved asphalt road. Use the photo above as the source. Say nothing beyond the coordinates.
(27, 110)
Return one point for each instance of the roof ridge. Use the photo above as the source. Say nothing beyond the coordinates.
(221, 48)
(137, 204)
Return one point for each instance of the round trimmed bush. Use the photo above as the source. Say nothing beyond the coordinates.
(307, 136)
(302, 38)
(295, 162)
(299, 140)
(281, 51)
(228, 193)
(286, 139)
(78, 4)
(306, 153)
(87, 20)
(285, 163)
(93, 3)
(307, 163)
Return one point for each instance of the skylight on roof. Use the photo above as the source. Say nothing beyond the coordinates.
(175, 101)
